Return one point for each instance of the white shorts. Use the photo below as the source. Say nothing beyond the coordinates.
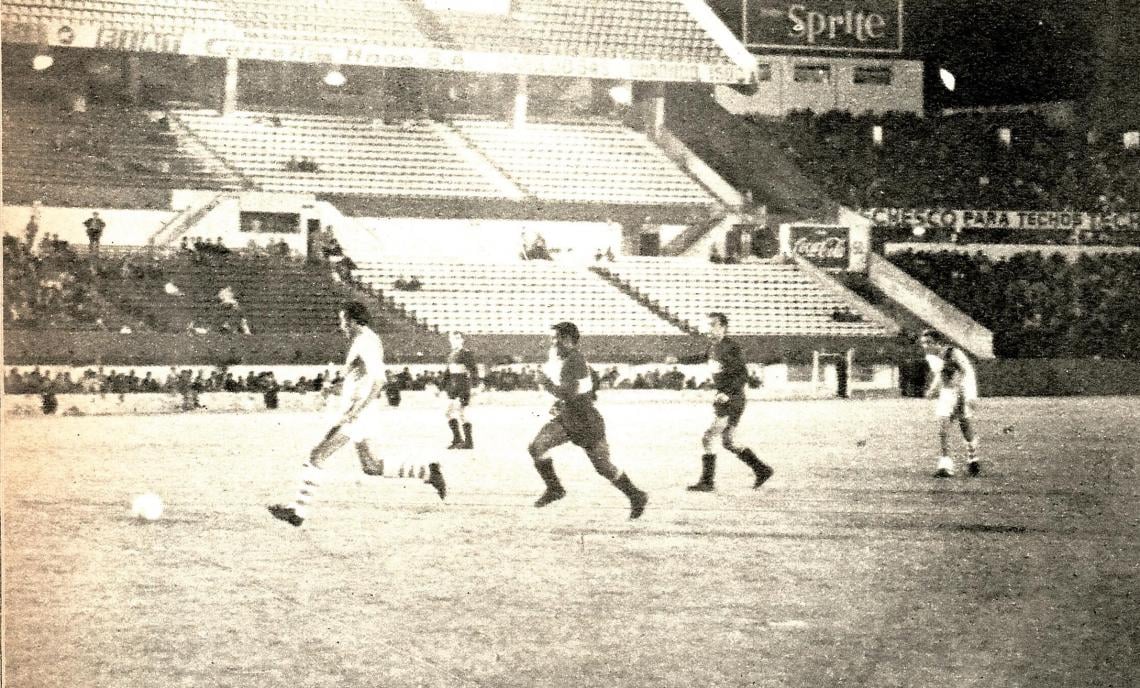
(954, 403)
(366, 426)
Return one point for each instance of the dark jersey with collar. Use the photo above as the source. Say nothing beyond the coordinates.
(575, 386)
(462, 373)
(729, 370)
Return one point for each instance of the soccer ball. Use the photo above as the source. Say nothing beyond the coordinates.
(147, 507)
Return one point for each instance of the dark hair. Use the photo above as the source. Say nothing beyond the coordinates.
(567, 329)
(357, 312)
(720, 318)
(933, 335)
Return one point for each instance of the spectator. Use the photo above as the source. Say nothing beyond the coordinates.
(33, 226)
(227, 298)
(95, 227)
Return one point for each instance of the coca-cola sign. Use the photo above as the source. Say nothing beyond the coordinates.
(824, 245)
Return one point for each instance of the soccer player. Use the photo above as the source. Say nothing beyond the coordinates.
(954, 384)
(364, 379)
(729, 376)
(568, 377)
(461, 376)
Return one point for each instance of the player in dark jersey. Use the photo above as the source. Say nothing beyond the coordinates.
(461, 376)
(568, 377)
(729, 376)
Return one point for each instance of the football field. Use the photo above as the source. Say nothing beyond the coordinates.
(851, 567)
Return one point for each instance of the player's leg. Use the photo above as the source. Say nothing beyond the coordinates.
(435, 479)
(966, 424)
(549, 436)
(761, 470)
(708, 458)
(944, 410)
(453, 413)
(945, 468)
(369, 461)
(599, 455)
(464, 401)
(310, 479)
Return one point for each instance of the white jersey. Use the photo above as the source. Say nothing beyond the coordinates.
(965, 384)
(363, 367)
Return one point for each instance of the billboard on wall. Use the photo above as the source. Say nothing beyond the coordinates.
(830, 247)
(824, 245)
(950, 218)
(874, 26)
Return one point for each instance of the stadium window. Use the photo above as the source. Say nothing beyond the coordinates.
(812, 74)
(764, 71)
(878, 76)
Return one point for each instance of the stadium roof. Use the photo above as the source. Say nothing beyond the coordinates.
(646, 40)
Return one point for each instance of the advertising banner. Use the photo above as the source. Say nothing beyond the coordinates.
(829, 25)
(947, 218)
(826, 246)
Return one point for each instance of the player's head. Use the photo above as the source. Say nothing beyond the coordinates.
(354, 314)
(931, 339)
(565, 336)
(456, 340)
(718, 325)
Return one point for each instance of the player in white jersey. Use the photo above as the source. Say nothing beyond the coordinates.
(358, 419)
(954, 386)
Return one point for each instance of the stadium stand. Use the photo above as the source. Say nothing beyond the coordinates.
(638, 29)
(959, 161)
(152, 15)
(348, 154)
(391, 22)
(575, 161)
(1037, 306)
(758, 298)
(105, 146)
(510, 298)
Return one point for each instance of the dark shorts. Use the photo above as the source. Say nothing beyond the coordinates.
(462, 393)
(584, 427)
(732, 409)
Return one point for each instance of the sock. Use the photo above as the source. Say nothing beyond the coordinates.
(972, 449)
(545, 468)
(467, 432)
(455, 436)
(311, 478)
(708, 469)
(623, 483)
(945, 463)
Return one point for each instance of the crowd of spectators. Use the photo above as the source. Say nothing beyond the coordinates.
(51, 284)
(51, 288)
(960, 161)
(102, 381)
(515, 377)
(1038, 306)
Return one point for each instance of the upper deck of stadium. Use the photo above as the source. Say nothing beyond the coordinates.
(664, 40)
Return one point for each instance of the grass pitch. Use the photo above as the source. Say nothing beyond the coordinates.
(851, 567)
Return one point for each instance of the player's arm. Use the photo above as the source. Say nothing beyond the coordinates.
(933, 363)
(694, 359)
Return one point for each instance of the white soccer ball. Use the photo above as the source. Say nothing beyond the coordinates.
(147, 507)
